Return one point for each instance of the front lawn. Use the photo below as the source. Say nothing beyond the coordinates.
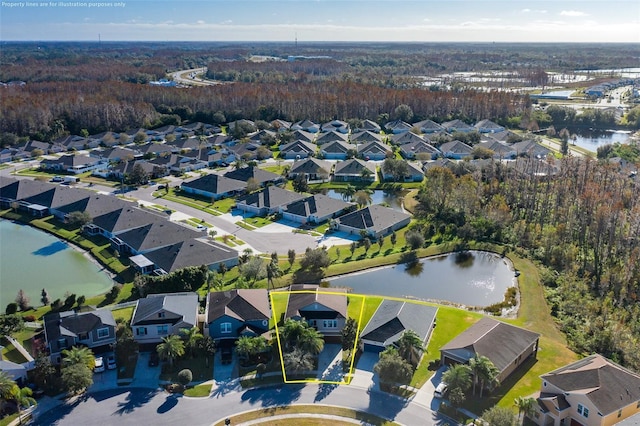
(199, 391)
(197, 365)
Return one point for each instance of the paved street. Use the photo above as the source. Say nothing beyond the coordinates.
(138, 406)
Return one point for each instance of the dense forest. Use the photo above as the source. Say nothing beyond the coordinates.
(581, 223)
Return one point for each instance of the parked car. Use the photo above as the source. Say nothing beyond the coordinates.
(111, 362)
(441, 390)
(154, 360)
(226, 354)
(98, 365)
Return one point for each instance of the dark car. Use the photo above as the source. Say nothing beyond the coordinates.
(226, 354)
(154, 360)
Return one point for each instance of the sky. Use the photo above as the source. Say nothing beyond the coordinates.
(320, 20)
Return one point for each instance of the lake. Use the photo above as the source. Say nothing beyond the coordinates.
(591, 140)
(32, 260)
(479, 279)
(378, 196)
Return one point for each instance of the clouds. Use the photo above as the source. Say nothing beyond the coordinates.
(573, 13)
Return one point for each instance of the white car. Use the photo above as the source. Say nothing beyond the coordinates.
(441, 390)
(99, 365)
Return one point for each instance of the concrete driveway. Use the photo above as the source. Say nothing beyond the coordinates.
(330, 364)
(364, 376)
(145, 376)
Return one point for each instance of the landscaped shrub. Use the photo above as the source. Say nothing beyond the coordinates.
(185, 376)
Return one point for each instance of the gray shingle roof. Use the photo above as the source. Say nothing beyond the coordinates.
(269, 197)
(183, 306)
(393, 317)
(216, 184)
(157, 234)
(311, 166)
(242, 304)
(373, 218)
(70, 323)
(502, 343)
(353, 167)
(299, 147)
(246, 173)
(191, 252)
(317, 205)
(608, 386)
(303, 296)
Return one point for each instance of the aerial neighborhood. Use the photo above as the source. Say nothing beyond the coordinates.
(369, 233)
(269, 173)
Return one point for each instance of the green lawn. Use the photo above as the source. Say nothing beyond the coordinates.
(125, 314)
(199, 391)
(371, 303)
(201, 372)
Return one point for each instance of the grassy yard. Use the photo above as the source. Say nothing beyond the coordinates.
(364, 418)
(199, 391)
(197, 365)
(124, 314)
(356, 303)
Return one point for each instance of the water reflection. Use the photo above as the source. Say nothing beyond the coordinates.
(51, 249)
(463, 259)
(391, 197)
(470, 278)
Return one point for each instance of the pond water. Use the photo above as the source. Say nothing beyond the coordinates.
(378, 196)
(473, 279)
(591, 140)
(32, 260)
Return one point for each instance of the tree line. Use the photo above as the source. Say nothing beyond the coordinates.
(580, 221)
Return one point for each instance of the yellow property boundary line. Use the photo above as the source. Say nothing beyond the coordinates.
(349, 374)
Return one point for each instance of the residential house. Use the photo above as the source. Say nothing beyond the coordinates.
(374, 151)
(311, 169)
(261, 177)
(16, 372)
(397, 126)
(306, 125)
(152, 149)
(365, 136)
(338, 150)
(336, 126)
(121, 220)
(506, 136)
(243, 123)
(214, 186)
(267, 201)
(593, 391)
(151, 236)
(414, 173)
(93, 329)
(457, 126)
(530, 148)
(232, 314)
(506, 345)
(419, 149)
(500, 150)
(322, 309)
(375, 220)
(192, 252)
(488, 126)
(456, 150)
(75, 164)
(391, 319)
(354, 170)
(187, 144)
(315, 209)
(333, 136)
(263, 137)
(406, 138)
(368, 125)
(297, 149)
(429, 126)
(116, 154)
(302, 136)
(160, 315)
(280, 125)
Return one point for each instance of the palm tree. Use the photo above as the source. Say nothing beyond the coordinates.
(23, 398)
(172, 347)
(486, 373)
(458, 376)
(348, 192)
(525, 407)
(298, 361)
(299, 335)
(192, 335)
(6, 385)
(362, 197)
(245, 347)
(311, 341)
(78, 355)
(409, 345)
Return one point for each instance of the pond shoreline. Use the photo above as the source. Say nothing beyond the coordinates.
(506, 313)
